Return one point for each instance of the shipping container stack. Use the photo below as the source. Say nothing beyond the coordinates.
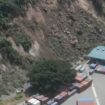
(32, 101)
(52, 102)
(100, 69)
(61, 97)
(82, 82)
(43, 99)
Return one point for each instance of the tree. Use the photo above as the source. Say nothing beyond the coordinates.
(48, 75)
(13, 7)
(98, 5)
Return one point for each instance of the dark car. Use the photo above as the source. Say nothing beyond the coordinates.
(72, 88)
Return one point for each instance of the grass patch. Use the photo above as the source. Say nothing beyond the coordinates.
(14, 100)
(1, 103)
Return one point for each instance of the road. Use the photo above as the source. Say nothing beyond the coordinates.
(99, 84)
(85, 94)
(96, 91)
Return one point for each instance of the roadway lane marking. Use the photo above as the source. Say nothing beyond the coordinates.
(95, 94)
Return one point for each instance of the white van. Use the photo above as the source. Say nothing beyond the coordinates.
(82, 69)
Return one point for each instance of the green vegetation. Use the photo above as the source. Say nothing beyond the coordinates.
(12, 8)
(4, 43)
(3, 92)
(8, 52)
(1, 103)
(49, 75)
(3, 22)
(13, 100)
(18, 97)
(98, 5)
(23, 39)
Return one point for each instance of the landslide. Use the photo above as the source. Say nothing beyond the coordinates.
(52, 29)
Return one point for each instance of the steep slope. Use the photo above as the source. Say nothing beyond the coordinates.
(62, 29)
(70, 30)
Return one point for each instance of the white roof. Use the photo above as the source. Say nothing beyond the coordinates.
(33, 101)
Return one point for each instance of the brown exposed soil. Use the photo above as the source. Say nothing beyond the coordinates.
(62, 29)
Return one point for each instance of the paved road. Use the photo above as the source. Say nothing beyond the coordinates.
(97, 92)
(99, 84)
(72, 100)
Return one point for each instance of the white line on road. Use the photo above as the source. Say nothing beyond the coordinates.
(95, 94)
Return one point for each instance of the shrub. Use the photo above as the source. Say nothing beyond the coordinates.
(12, 7)
(98, 5)
(23, 39)
(8, 52)
(18, 97)
(1, 103)
(3, 92)
(4, 22)
(12, 55)
(4, 43)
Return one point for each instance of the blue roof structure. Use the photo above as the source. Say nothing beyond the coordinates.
(98, 53)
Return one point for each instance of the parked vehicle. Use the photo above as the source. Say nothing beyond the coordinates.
(72, 87)
(55, 103)
(50, 102)
(93, 66)
(82, 69)
(78, 67)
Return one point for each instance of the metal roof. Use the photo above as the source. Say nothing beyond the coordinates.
(98, 53)
(85, 99)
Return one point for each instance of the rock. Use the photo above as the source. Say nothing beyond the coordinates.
(45, 10)
(1, 57)
(18, 91)
(100, 30)
(3, 67)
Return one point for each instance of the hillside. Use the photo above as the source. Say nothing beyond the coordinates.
(38, 29)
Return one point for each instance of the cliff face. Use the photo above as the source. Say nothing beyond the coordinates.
(65, 29)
